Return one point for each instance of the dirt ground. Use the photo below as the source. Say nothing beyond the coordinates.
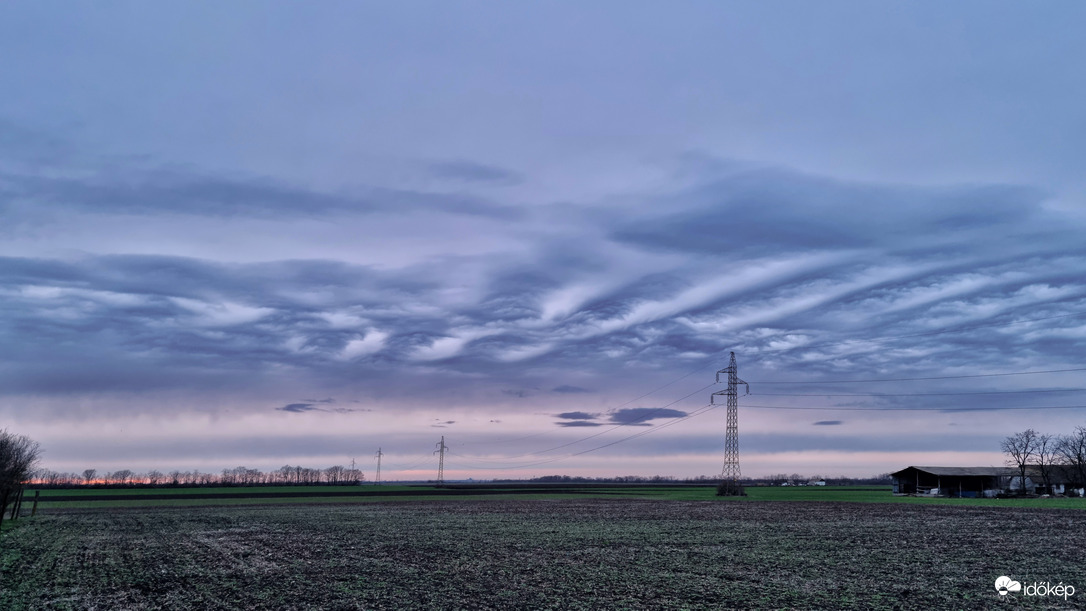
(555, 554)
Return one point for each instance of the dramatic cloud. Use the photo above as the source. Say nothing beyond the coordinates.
(577, 416)
(298, 408)
(488, 227)
(321, 405)
(642, 415)
(577, 423)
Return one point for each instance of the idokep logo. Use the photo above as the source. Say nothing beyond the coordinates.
(1005, 585)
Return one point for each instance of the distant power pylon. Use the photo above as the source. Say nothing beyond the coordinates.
(731, 472)
(378, 455)
(440, 451)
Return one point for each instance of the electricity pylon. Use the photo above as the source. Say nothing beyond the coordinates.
(440, 451)
(731, 471)
(378, 455)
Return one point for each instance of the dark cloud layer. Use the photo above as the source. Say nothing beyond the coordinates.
(320, 405)
(804, 277)
(158, 193)
(770, 212)
(479, 223)
(568, 389)
(298, 408)
(577, 416)
(643, 415)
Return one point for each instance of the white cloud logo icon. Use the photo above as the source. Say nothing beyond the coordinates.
(1005, 584)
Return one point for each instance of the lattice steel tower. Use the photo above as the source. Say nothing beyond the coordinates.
(731, 471)
(379, 454)
(440, 451)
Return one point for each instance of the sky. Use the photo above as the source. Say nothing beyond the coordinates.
(280, 233)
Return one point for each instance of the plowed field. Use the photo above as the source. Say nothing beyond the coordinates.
(565, 554)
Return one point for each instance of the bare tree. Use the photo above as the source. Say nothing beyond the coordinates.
(335, 474)
(1046, 459)
(88, 475)
(1020, 449)
(122, 477)
(1072, 453)
(18, 457)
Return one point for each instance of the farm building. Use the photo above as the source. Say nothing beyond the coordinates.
(1061, 478)
(981, 481)
(953, 481)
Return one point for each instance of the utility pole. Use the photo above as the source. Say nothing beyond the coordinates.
(440, 451)
(730, 475)
(378, 455)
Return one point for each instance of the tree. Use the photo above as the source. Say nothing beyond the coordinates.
(18, 457)
(1020, 448)
(122, 477)
(335, 474)
(1072, 452)
(88, 475)
(1046, 459)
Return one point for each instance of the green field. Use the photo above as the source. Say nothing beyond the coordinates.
(210, 490)
(573, 553)
(80, 498)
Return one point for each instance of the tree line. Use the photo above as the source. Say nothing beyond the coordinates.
(336, 475)
(1050, 456)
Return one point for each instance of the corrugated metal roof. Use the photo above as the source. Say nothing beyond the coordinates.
(963, 471)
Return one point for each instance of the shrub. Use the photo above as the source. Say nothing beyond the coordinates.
(730, 488)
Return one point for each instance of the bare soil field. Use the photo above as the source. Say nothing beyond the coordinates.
(545, 554)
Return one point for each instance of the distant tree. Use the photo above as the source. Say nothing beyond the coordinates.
(1046, 459)
(154, 477)
(285, 473)
(123, 477)
(1071, 450)
(335, 474)
(18, 458)
(1020, 448)
(355, 476)
(89, 475)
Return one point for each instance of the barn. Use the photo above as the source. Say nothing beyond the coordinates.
(953, 481)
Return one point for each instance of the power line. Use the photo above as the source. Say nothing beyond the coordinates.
(647, 416)
(394, 467)
(915, 409)
(916, 394)
(698, 412)
(820, 344)
(873, 339)
(976, 375)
